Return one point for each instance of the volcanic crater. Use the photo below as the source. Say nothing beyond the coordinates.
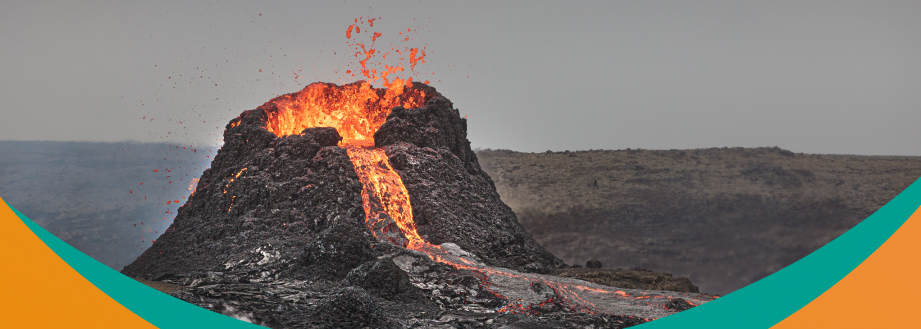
(353, 206)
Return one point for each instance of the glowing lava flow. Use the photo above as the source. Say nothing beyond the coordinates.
(357, 110)
(387, 210)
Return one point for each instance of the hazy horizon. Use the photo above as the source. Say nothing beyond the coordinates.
(818, 77)
(477, 149)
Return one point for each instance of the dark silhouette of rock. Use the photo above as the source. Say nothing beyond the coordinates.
(453, 200)
(678, 304)
(594, 263)
(337, 250)
(350, 307)
(382, 278)
(285, 206)
(633, 279)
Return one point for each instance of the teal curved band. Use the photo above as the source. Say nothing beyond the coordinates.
(759, 305)
(161, 310)
(774, 298)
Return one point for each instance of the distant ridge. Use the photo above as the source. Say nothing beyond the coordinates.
(723, 217)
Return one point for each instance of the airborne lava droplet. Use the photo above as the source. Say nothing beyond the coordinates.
(413, 60)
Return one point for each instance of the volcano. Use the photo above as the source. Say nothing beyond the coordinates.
(351, 206)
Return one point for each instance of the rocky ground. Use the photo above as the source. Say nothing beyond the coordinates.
(406, 289)
(723, 217)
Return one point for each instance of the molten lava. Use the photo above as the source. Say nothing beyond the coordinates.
(356, 110)
(385, 199)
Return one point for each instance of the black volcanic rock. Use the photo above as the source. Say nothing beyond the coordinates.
(292, 207)
(337, 250)
(453, 200)
(633, 279)
(594, 263)
(349, 308)
(678, 304)
(265, 202)
(438, 125)
(382, 278)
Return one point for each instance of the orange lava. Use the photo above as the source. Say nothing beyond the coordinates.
(192, 185)
(356, 110)
(415, 57)
(378, 64)
(387, 210)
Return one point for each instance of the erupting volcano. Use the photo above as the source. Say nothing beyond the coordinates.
(357, 111)
(356, 206)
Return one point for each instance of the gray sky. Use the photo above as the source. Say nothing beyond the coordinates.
(809, 76)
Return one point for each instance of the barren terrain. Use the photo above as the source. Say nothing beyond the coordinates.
(723, 217)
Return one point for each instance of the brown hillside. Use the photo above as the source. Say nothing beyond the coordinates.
(722, 217)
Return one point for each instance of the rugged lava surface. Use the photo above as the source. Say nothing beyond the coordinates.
(296, 226)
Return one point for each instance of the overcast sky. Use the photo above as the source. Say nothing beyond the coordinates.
(808, 76)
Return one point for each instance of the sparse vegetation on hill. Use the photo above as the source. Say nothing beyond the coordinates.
(723, 217)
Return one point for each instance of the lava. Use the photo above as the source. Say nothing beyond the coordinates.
(192, 185)
(357, 110)
(387, 210)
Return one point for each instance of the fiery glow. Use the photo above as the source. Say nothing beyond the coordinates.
(356, 110)
(192, 185)
(233, 178)
(413, 59)
(387, 210)
(381, 63)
